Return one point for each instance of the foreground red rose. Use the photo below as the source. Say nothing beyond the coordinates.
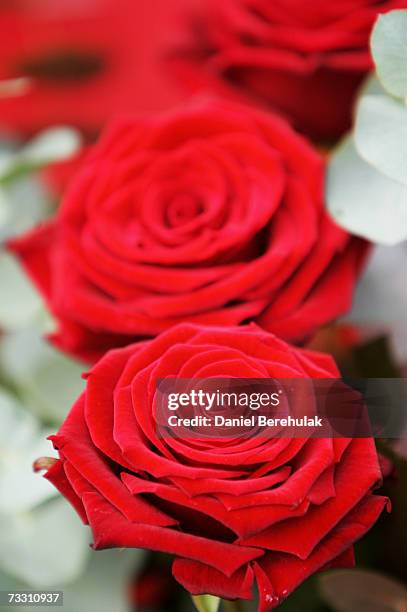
(274, 511)
(213, 214)
(87, 60)
(306, 60)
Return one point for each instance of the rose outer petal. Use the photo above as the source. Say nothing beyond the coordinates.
(111, 529)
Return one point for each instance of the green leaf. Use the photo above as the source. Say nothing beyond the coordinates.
(372, 87)
(362, 200)
(21, 303)
(4, 209)
(23, 204)
(52, 145)
(45, 546)
(206, 603)
(381, 135)
(21, 442)
(389, 50)
(380, 301)
(47, 381)
(102, 586)
(350, 590)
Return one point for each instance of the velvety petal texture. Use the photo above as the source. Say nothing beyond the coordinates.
(305, 59)
(213, 214)
(233, 513)
(86, 60)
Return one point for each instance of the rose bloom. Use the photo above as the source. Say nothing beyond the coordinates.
(305, 59)
(212, 214)
(86, 60)
(231, 511)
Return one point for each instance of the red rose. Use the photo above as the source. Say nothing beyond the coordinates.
(87, 60)
(212, 215)
(306, 60)
(273, 510)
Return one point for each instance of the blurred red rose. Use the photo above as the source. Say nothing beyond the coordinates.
(87, 60)
(304, 59)
(57, 176)
(212, 214)
(231, 511)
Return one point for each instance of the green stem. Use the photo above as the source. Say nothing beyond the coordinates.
(210, 603)
(232, 605)
(206, 603)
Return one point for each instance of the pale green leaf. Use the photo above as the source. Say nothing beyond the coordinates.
(102, 587)
(363, 590)
(372, 87)
(48, 381)
(54, 144)
(20, 303)
(380, 300)
(46, 546)
(389, 50)
(362, 200)
(381, 135)
(381, 294)
(23, 204)
(21, 442)
(4, 209)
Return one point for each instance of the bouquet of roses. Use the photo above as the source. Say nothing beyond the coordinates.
(205, 230)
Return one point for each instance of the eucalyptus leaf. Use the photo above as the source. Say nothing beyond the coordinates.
(9, 584)
(48, 381)
(372, 87)
(389, 50)
(23, 204)
(380, 300)
(4, 209)
(381, 135)
(362, 590)
(362, 200)
(20, 303)
(52, 145)
(45, 546)
(22, 441)
(102, 587)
